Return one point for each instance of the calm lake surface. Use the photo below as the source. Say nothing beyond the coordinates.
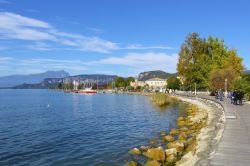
(47, 127)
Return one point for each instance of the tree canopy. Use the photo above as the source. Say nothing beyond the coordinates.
(199, 57)
(243, 84)
(120, 82)
(173, 83)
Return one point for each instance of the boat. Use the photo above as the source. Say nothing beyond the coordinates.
(87, 91)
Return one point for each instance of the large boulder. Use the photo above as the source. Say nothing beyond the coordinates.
(152, 141)
(168, 138)
(190, 131)
(152, 163)
(184, 129)
(145, 147)
(170, 152)
(132, 163)
(174, 132)
(178, 145)
(163, 133)
(155, 154)
(135, 151)
(182, 136)
(171, 159)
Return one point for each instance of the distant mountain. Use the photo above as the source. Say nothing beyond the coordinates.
(14, 80)
(83, 79)
(45, 84)
(90, 78)
(152, 74)
(247, 71)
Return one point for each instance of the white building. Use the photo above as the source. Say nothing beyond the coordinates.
(156, 83)
(76, 84)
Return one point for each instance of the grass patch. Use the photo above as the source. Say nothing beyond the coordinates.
(162, 99)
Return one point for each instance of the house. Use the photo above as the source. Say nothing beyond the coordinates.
(156, 82)
(137, 83)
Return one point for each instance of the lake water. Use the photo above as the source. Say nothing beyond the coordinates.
(47, 127)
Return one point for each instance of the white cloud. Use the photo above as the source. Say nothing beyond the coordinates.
(14, 20)
(53, 64)
(133, 63)
(5, 60)
(40, 46)
(14, 26)
(17, 27)
(143, 61)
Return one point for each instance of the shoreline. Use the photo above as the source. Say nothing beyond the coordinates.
(208, 136)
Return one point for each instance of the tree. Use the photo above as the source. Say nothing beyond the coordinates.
(80, 86)
(130, 88)
(191, 56)
(173, 83)
(129, 80)
(60, 85)
(120, 82)
(220, 77)
(198, 57)
(243, 84)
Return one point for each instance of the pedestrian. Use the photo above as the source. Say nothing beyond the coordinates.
(232, 96)
(235, 97)
(241, 96)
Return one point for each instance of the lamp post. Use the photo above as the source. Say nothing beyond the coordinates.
(226, 87)
(195, 89)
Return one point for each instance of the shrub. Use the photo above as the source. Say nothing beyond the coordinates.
(162, 99)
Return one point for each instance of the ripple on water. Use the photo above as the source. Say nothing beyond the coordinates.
(77, 129)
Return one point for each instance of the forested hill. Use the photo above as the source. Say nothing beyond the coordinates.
(152, 74)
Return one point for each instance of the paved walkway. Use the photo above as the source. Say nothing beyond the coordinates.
(234, 148)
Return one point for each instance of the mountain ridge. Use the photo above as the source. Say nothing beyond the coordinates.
(101, 79)
(14, 80)
(143, 76)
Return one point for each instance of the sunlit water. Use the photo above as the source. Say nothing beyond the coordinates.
(46, 127)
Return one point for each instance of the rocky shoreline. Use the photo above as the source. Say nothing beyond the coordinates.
(209, 136)
(193, 142)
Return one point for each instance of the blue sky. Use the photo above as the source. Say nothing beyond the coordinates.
(111, 36)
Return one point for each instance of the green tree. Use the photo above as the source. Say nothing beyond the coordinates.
(243, 84)
(130, 88)
(129, 80)
(173, 83)
(191, 56)
(60, 85)
(80, 86)
(120, 82)
(198, 57)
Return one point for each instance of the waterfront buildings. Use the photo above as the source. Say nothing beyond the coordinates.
(153, 84)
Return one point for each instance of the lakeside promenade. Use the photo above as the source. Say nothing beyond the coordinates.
(234, 148)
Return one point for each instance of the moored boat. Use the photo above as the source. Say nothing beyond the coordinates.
(87, 91)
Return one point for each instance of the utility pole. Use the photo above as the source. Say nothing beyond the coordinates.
(195, 89)
(225, 87)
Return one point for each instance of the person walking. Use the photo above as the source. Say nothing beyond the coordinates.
(232, 97)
